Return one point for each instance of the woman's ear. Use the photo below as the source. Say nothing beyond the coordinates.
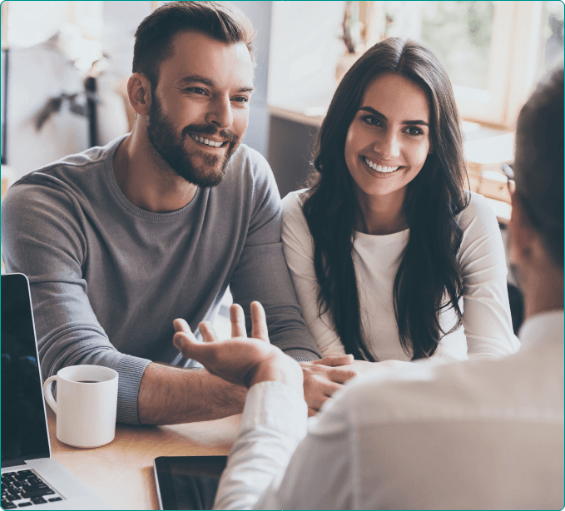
(139, 93)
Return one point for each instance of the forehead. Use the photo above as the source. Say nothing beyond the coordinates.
(396, 96)
(195, 53)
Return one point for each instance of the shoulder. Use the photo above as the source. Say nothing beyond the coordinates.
(477, 214)
(70, 175)
(248, 175)
(432, 391)
(294, 201)
(59, 190)
(292, 208)
(248, 161)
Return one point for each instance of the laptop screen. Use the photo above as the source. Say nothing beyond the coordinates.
(24, 428)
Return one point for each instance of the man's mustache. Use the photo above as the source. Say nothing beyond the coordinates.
(207, 129)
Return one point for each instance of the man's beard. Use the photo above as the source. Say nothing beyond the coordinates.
(162, 137)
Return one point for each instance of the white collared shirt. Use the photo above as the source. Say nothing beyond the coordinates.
(484, 434)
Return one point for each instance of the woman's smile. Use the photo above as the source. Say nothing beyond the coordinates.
(381, 168)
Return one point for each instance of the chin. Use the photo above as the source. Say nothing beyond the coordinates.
(203, 178)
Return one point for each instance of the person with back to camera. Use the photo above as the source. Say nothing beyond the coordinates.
(474, 434)
(391, 258)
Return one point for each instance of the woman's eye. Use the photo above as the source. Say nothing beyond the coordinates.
(414, 131)
(372, 120)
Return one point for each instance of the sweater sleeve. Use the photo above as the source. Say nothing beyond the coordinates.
(43, 239)
(261, 273)
(299, 254)
(486, 311)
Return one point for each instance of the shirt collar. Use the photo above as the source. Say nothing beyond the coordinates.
(545, 328)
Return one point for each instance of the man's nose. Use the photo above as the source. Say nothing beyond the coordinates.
(220, 113)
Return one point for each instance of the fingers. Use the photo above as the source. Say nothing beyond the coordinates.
(316, 397)
(184, 340)
(335, 360)
(181, 325)
(259, 322)
(208, 333)
(341, 374)
(237, 318)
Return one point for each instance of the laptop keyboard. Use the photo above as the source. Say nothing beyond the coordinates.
(24, 488)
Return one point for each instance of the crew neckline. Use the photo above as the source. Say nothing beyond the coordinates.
(400, 234)
(125, 202)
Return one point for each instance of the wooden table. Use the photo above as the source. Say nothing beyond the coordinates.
(121, 472)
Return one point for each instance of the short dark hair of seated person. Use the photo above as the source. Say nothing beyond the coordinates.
(538, 165)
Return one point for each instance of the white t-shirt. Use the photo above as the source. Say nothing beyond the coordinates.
(486, 331)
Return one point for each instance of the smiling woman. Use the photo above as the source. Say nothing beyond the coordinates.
(385, 148)
(391, 258)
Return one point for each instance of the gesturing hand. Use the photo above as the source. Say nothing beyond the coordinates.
(240, 360)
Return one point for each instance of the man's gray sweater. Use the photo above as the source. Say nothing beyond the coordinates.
(108, 278)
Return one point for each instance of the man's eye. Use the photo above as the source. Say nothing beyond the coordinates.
(241, 99)
(195, 90)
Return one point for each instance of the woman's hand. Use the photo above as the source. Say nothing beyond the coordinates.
(240, 360)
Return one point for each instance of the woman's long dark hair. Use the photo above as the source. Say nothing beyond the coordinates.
(429, 278)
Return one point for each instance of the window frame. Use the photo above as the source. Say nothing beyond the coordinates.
(515, 61)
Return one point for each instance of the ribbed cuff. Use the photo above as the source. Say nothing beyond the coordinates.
(302, 355)
(130, 370)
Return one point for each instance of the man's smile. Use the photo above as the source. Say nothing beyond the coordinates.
(207, 141)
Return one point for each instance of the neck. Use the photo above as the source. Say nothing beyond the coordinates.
(381, 215)
(543, 290)
(145, 179)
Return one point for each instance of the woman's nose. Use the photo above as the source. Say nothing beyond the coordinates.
(388, 146)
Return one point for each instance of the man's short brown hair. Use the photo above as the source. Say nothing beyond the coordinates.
(219, 20)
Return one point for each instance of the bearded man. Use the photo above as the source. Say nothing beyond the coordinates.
(120, 240)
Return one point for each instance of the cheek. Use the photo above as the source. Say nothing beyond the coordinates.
(420, 153)
(240, 122)
(350, 145)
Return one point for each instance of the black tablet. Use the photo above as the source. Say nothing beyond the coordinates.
(188, 482)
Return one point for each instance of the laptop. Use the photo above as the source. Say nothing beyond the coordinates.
(30, 477)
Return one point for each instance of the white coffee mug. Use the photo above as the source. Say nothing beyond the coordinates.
(87, 399)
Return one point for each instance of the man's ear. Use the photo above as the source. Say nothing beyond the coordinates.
(518, 232)
(139, 93)
(526, 245)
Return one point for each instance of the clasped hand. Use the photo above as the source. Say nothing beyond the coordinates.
(246, 361)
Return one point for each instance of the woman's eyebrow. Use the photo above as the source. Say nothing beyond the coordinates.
(371, 110)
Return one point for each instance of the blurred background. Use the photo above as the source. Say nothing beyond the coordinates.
(65, 64)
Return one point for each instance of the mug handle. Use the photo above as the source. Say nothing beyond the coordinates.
(47, 391)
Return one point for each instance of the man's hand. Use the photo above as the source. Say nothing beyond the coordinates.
(323, 377)
(240, 360)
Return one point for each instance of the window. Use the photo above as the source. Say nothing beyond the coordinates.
(494, 52)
